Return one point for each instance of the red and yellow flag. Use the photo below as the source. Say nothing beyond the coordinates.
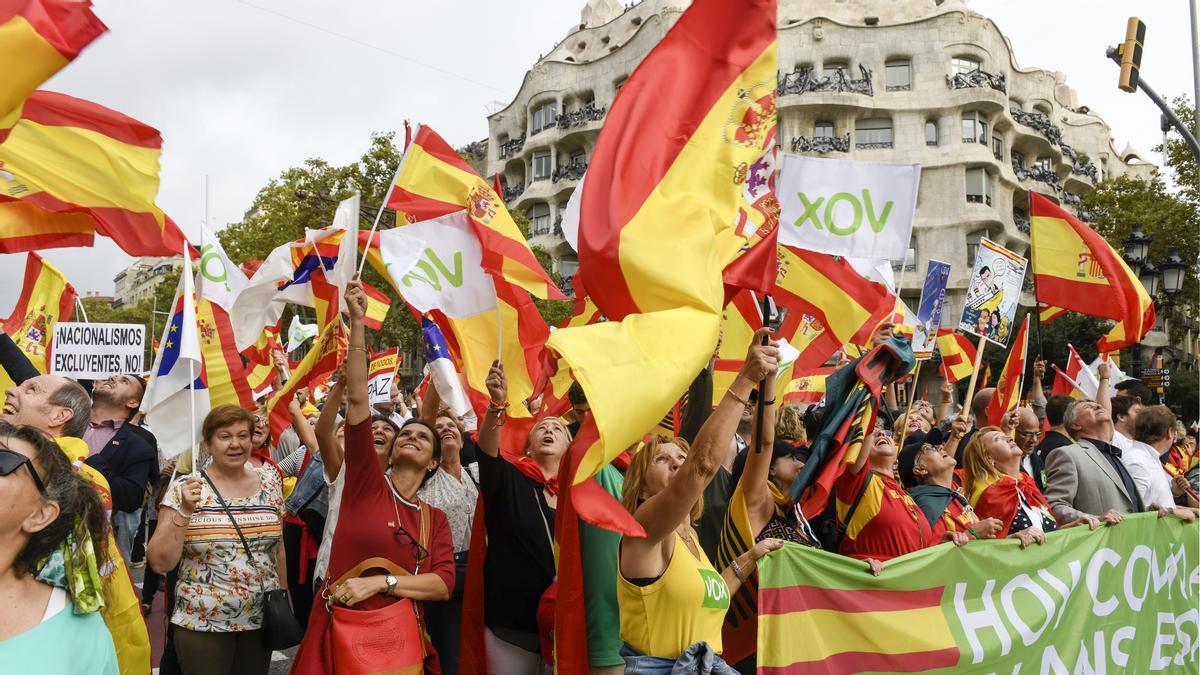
(37, 39)
(849, 306)
(807, 387)
(958, 355)
(1008, 389)
(318, 364)
(46, 298)
(1075, 269)
(433, 181)
(72, 168)
(1048, 313)
(224, 373)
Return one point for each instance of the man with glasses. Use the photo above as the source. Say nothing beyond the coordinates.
(1028, 433)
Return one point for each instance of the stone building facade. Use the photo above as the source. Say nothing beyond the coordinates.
(138, 281)
(924, 81)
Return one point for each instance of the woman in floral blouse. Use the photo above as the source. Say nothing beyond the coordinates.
(218, 614)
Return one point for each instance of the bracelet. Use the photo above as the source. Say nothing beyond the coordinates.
(737, 570)
(771, 402)
(357, 349)
(737, 398)
(186, 521)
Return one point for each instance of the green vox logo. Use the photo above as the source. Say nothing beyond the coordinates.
(431, 270)
(858, 207)
(209, 255)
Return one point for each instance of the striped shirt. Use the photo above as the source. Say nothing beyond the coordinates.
(220, 589)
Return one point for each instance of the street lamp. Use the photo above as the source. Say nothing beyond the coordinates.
(1137, 245)
(1149, 277)
(1173, 269)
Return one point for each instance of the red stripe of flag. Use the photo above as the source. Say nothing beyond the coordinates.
(788, 599)
(66, 26)
(858, 662)
(53, 109)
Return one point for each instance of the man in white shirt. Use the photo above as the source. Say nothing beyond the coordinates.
(1125, 411)
(1153, 437)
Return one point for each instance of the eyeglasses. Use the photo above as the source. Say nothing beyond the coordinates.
(1028, 434)
(420, 552)
(11, 461)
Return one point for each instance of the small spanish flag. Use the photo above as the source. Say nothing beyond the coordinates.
(848, 305)
(46, 298)
(1009, 392)
(224, 373)
(71, 168)
(37, 39)
(958, 355)
(808, 387)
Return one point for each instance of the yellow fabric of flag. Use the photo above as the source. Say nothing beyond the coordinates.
(37, 39)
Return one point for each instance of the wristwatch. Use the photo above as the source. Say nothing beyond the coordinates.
(391, 583)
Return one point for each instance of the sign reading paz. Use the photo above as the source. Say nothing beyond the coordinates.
(94, 351)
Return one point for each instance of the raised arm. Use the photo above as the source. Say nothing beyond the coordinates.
(662, 513)
(947, 399)
(358, 404)
(326, 429)
(1102, 395)
(304, 430)
(429, 405)
(756, 475)
(489, 428)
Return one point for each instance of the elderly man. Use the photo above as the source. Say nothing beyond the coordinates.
(1028, 431)
(56, 405)
(1088, 477)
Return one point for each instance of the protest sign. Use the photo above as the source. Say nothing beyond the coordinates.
(381, 374)
(849, 208)
(94, 351)
(1116, 599)
(992, 293)
(929, 309)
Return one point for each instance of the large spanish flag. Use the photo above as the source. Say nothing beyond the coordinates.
(224, 373)
(1075, 269)
(46, 298)
(71, 168)
(958, 355)
(1008, 391)
(433, 180)
(37, 39)
(827, 288)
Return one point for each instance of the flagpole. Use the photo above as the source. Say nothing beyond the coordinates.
(1036, 304)
(79, 304)
(378, 215)
(499, 333)
(911, 398)
(765, 307)
(187, 269)
(975, 373)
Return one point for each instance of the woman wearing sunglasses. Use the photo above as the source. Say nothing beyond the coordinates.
(390, 550)
(49, 511)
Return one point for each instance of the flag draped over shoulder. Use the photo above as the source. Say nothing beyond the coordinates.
(46, 298)
(958, 355)
(1008, 392)
(433, 181)
(71, 168)
(1076, 269)
(851, 403)
(37, 39)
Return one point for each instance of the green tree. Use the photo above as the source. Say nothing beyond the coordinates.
(1184, 394)
(1179, 156)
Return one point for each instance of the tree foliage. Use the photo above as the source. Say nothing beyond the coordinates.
(1179, 157)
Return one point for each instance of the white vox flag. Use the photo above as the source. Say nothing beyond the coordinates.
(848, 208)
(219, 281)
(299, 333)
(176, 400)
(447, 271)
(345, 220)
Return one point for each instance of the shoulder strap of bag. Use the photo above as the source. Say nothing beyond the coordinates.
(229, 513)
(844, 524)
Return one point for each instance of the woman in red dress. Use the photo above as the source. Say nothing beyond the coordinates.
(381, 517)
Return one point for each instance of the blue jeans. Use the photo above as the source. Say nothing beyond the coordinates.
(125, 527)
(697, 659)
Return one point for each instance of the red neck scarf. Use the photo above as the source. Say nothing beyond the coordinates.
(533, 472)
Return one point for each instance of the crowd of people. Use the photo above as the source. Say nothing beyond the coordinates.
(399, 537)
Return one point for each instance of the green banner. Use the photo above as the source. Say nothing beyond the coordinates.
(1119, 599)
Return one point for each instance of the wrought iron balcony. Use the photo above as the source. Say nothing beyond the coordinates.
(979, 199)
(1071, 199)
(1039, 122)
(1022, 222)
(1081, 164)
(565, 286)
(476, 150)
(576, 118)
(1039, 174)
(571, 171)
(821, 144)
(977, 78)
(880, 145)
(802, 81)
(511, 193)
(512, 147)
(558, 224)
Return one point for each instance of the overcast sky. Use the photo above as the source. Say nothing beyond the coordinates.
(244, 89)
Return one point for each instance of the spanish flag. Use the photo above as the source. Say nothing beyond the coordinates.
(807, 387)
(1008, 393)
(320, 361)
(1075, 269)
(433, 181)
(849, 306)
(37, 39)
(1048, 313)
(46, 298)
(958, 355)
(70, 168)
(224, 372)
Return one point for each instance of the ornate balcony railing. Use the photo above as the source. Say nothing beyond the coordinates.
(1086, 216)
(511, 193)
(1039, 122)
(1081, 164)
(578, 118)
(979, 199)
(512, 147)
(821, 144)
(572, 171)
(476, 150)
(802, 81)
(1022, 222)
(1039, 174)
(977, 78)
(881, 145)
(1071, 199)
(565, 286)
(558, 224)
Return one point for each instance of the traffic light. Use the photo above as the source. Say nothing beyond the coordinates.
(1130, 52)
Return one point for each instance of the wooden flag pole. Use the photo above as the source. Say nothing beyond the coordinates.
(975, 373)
(762, 386)
(908, 411)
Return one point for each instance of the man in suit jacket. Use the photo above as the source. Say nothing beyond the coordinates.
(1088, 477)
(126, 454)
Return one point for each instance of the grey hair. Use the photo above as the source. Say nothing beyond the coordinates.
(74, 397)
(1069, 415)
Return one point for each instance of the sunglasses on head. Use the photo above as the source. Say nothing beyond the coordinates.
(11, 461)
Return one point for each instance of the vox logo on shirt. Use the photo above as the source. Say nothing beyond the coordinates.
(716, 593)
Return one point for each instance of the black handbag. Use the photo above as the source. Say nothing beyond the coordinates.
(280, 629)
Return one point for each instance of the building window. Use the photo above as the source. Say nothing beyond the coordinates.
(910, 262)
(544, 116)
(998, 148)
(577, 157)
(931, 133)
(964, 65)
(539, 219)
(899, 75)
(974, 128)
(979, 187)
(873, 133)
(831, 68)
(1045, 164)
(1018, 159)
(823, 130)
(567, 267)
(973, 245)
(541, 165)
